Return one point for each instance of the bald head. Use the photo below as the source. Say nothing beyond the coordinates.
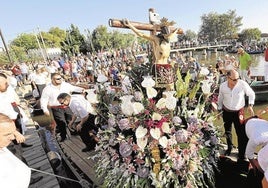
(233, 73)
(7, 130)
(232, 77)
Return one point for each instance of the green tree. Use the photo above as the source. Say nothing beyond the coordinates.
(73, 40)
(248, 35)
(101, 38)
(216, 26)
(54, 37)
(25, 41)
(187, 35)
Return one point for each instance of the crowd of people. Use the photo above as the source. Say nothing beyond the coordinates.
(54, 81)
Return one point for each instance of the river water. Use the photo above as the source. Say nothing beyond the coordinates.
(259, 66)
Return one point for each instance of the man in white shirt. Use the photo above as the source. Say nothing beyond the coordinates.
(231, 101)
(13, 173)
(62, 114)
(257, 132)
(9, 102)
(83, 110)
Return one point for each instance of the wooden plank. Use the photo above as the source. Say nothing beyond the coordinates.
(37, 159)
(72, 150)
(70, 145)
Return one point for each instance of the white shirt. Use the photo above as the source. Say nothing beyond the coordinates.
(262, 159)
(234, 99)
(24, 68)
(80, 106)
(51, 92)
(40, 79)
(13, 173)
(6, 98)
(257, 133)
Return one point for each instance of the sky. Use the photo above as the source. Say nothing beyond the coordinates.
(17, 16)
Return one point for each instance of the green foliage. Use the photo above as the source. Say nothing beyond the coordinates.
(53, 37)
(73, 40)
(25, 41)
(219, 26)
(187, 35)
(247, 35)
(138, 72)
(100, 38)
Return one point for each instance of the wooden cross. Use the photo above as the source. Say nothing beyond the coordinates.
(160, 43)
(141, 26)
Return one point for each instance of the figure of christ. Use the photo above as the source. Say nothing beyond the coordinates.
(160, 42)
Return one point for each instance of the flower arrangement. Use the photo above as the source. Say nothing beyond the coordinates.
(154, 139)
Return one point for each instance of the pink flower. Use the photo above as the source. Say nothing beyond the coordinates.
(123, 124)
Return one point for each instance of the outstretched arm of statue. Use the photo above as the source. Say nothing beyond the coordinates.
(174, 32)
(135, 30)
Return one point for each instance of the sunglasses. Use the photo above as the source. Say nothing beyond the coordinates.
(63, 101)
(236, 79)
(57, 78)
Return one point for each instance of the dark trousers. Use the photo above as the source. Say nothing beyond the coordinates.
(17, 121)
(230, 118)
(89, 126)
(62, 117)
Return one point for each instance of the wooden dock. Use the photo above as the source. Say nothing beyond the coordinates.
(36, 158)
(72, 147)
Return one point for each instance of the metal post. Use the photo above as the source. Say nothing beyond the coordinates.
(39, 46)
(3, 40)
(43, 42)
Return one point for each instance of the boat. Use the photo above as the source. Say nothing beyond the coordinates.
(261, 90)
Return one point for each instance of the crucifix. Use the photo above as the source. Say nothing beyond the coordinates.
(161, 31)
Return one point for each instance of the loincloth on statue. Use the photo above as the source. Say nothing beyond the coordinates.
(163, 74)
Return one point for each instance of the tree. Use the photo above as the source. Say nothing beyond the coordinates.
(101, 38)
(73, 40)
(54, 37)
(247, 35)
(25, 41)
(216, 26)
(188, 35)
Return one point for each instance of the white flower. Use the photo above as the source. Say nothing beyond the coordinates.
(206, 86)
(138, 95)
(151, 92)
(142, 142)
(148, 82)
(161, 103)
(155, 133)
(204, 71)
(156, 117)
(92, 97)
(165, 127)
(171, 101)
(138, 107)
(101, 78)
(169, 94)
(127, 106)
(141, 132)
(163, 141)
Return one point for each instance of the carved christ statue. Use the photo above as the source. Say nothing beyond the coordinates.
(160, 42)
